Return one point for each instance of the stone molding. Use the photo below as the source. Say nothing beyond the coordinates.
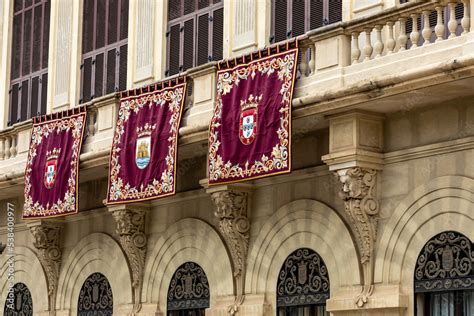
(131, 231)
(47, 234)
(232, 212)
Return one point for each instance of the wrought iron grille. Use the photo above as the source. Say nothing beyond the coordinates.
(95, 297)
(303, 279)
(189, 288)
(22, 302)
(445, 263)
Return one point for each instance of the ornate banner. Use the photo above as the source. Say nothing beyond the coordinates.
(250, 131)
(51, 175)
(143, 155)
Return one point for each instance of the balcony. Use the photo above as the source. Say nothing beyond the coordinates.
(370, 63)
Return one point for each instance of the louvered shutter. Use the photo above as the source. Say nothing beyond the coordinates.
(45, 41)
(334, 11)
(99, 75)
(25, 88)
(100, 23)
(111, 71)
(122, 85)
(14, 103)
(174, 49)
(87, 80)
(36, 60)
(88, 27)
(44, 93)
(298, 18)
(26, 43)
(174, 9)
(123, 19)
(218, 34)
(188, 44)
(112, 34)
(16, 53)
(189, 6)
(35, 86)
(204, 4)
(316, 14)
(280, 18)
(203, 39)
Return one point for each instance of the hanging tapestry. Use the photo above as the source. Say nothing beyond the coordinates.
(143, 155)
(250, 131)
(51, 175)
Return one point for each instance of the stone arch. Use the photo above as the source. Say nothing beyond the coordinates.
(28, 270)
(443, 204)
(187, 240)
(302, 224)
(97, 252)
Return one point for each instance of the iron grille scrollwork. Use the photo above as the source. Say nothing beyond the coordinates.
(189, 288)
(303, 279)
(95, 297)
(22, 302)
(445, 263)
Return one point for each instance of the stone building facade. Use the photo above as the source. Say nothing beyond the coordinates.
(376, 218)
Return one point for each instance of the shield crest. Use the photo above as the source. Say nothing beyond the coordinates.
(50, 171)
(248, 125)
(142, 152)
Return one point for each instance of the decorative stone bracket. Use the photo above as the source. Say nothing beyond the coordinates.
(130, 221)
(232, 207)
(46, 235)
(355, 155)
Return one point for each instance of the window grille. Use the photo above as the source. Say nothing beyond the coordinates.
(95, 297)
(22, 304)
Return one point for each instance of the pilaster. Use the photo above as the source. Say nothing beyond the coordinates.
(130, 219)
(355, 156)
(232, 213)
(47, 235)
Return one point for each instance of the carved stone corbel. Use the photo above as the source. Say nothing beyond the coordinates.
(361, 205)
(234, 225)
(46, 241)
(131, 230)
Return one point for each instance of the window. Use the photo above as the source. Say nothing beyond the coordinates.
(95, 297)
(22, 302)
(291, 18)
(195, 33)
(104, 48)
(188, 294)
(29, 63)
(303, 285)
(444, 276)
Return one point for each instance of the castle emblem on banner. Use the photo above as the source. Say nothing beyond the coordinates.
(51, 167)
(248, 119)
(143, 145)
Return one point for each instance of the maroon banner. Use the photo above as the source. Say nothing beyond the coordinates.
(51, 175)
(143, 155)
(250, 131)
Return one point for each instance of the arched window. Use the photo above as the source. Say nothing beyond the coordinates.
(95, 297)
(303, 285)
(444, 276)
(188, 294)
(22, 303)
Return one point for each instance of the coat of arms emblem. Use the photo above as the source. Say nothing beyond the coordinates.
(248, 119)
(51, 167)
(143, 145)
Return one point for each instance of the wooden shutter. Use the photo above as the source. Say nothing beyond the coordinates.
(87, 79)
(122, 85)
(88, 26)
(218, 34)
(27, 34)
(298, 18)
(174, 9)
(203, 39)
(174, 49)
(111, 71)
(188, 45)
(316, 14)
(25, 88)
(14, 98)
(280, 18)
(123, 19)
(334, 11)
(100, 23)
(44, 93)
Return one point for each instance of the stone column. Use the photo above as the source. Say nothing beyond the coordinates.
(355, 155)
(232, 212)
(130, 219)
(47, 234)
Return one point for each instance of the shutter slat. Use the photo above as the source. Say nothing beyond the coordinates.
(36, 62)
(203, 4)
(335, 11)
(100, 24)
(45, 44)
(14, 106)
(99, 76)
(280, 20)
(44, 93)
(88, 27)
(123, 68)
(218, 34)
(174, 48)
(174, 9)
(111, 63)
(16, 53)
(34, 96)
(298, 18)
(112, 22)
(316, 14)
(203, 39)
(188, 44)
(189, 6)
